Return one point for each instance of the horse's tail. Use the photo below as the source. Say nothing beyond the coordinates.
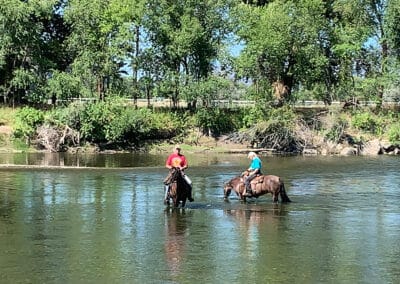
(282, 191)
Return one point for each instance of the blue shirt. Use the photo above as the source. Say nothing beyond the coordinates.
(255, 164)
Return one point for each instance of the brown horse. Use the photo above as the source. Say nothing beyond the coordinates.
(260, 185)
(179, 189)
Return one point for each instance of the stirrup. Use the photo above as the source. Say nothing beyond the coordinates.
(248, 192)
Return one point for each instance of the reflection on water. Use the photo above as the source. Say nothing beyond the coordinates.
(114, 160)
(110, 225)
(176, 239)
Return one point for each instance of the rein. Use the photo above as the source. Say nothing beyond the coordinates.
(174, 174)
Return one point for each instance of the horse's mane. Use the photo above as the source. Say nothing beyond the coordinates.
(173, 175)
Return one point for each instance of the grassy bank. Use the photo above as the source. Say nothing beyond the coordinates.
(7, 142)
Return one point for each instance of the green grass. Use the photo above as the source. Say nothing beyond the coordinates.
(7, 115)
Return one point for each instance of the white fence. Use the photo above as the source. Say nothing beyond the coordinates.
(163, 102)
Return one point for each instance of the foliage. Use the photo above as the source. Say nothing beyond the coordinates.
(27, 120)
(62, 86)
(368, 122)
(197, 50)
(215, 121)
(394, 133)
(276, 132)
(113, 122)
(252, 115)
(335, 129)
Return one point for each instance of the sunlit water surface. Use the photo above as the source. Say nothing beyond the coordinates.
(101, 219)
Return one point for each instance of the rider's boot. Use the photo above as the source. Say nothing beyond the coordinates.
(190, 198)
(166, 195)
(248, 190)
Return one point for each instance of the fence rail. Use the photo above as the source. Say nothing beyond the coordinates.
(163, 102)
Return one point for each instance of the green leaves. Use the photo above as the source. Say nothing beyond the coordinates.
(26, 121)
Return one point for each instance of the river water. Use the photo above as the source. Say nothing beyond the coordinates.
(101, 219)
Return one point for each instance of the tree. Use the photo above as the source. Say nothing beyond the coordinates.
(187, 37)
(99, 40)
(31, 33)
(282, 45)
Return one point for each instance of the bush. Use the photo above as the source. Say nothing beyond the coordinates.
(112, 121)
(394, 133)
(277, 132)
(368, 122)
(26, 121)
(214, 122)
(251, 116)
(336, 130)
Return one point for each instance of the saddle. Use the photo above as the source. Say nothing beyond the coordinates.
(249, 192)
(256, 179)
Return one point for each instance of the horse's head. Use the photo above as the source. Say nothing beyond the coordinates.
(227, 189)
(236, 184)
(173, 175)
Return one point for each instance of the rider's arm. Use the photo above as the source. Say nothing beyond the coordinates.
(168, 164)
(185, 164)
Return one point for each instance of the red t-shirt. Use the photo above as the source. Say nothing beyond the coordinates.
(176, 160)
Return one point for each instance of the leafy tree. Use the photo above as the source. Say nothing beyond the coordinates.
(30, 33)
(187, 36)
(282, 45)
(98, 42)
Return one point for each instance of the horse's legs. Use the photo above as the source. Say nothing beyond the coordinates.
(176, 201)
(275, 197)
(243, 192)
(227, 192)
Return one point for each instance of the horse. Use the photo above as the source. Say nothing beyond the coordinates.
(260, 185)
(179, 189)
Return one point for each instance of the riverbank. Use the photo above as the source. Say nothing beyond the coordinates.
(334, 132)
(222, 144)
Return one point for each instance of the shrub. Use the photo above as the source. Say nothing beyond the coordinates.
(113, 121)
(26, 121)
(214, 122)
(251, 116)
(336, 130)
(366, 121)
(394, 133)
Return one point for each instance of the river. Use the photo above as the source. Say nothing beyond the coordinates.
(101, 219)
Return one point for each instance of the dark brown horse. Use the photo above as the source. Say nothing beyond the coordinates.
(179, 189)
(260, 185)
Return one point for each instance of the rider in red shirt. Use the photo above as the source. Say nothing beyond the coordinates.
(178, 160)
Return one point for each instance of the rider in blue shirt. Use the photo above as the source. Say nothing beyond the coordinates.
(254, 170)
